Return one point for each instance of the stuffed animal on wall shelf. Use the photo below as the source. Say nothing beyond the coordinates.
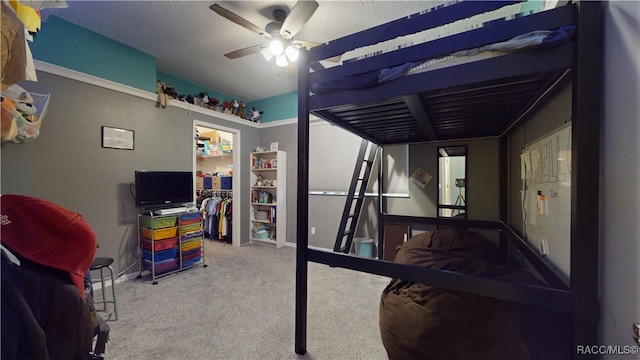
(227, 107)
(163, 99)
(240, 110)
(256, 115)
(213, 102)
(235, 105)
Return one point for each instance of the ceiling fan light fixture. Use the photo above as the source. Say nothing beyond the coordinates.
(281, 60)
(280, 32)
(292, 53)
(276, 46)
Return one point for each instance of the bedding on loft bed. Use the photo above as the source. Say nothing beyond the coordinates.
(424, 321)
(475, 83)
(540, 39)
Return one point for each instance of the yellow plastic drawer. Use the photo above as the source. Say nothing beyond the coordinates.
(190, 227)
(159, 234)
(191, 244)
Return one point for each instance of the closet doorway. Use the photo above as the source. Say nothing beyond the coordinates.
(217, 152)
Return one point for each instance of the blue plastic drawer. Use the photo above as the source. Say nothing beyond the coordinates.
(160, 255)
(207, 182)
(226, 182)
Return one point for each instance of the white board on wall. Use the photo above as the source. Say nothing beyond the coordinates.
(546, 199)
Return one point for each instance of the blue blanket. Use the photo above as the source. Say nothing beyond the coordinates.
(541, 38)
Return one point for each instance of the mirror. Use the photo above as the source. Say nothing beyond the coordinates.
(452, 181)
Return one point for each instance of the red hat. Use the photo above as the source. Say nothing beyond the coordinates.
(48, 234)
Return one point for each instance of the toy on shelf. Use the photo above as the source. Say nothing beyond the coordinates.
(240, 110)
(256, 115)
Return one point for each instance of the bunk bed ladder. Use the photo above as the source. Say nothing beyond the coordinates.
(355, 197)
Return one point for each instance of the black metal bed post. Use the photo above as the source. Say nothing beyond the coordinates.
(302, 239)
(585, 153)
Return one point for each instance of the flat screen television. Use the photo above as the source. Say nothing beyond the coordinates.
(163, 188)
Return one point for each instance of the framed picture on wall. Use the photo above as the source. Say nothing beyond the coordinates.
(114, 138)
(274, 146)
(421, 178)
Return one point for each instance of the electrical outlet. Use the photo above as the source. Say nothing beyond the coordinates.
(313, 230)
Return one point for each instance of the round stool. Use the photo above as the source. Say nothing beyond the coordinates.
(102, 263)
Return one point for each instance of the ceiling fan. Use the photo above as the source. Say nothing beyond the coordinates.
(280, 32)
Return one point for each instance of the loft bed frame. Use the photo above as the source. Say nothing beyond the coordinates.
(396, 112)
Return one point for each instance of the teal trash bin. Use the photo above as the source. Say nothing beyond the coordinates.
(364, 247)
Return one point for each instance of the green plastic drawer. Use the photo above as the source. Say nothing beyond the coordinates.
(190, 227)
(158, 222)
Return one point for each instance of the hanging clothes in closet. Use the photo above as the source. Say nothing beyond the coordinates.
(216, 208)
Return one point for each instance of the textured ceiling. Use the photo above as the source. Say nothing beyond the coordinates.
(189, 40)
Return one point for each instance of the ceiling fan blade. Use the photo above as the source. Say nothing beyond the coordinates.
(246, 51)
(310, 44)
(239, 20)
(306, 44)
(299, 15)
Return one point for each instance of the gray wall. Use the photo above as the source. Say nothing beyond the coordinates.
(482, 178)
(620, 171)
(482, 194)
(67, 165)
(324, 211)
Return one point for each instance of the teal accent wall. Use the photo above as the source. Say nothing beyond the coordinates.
(278, 107)
(65, 44)
(68, 45)
(531, 7)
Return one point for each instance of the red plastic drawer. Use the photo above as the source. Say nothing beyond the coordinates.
(159, 245)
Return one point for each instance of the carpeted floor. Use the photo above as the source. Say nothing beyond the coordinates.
(242, 306)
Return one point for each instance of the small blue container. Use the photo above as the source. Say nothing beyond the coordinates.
(225, 182)
(364, 247)
(207, 182)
